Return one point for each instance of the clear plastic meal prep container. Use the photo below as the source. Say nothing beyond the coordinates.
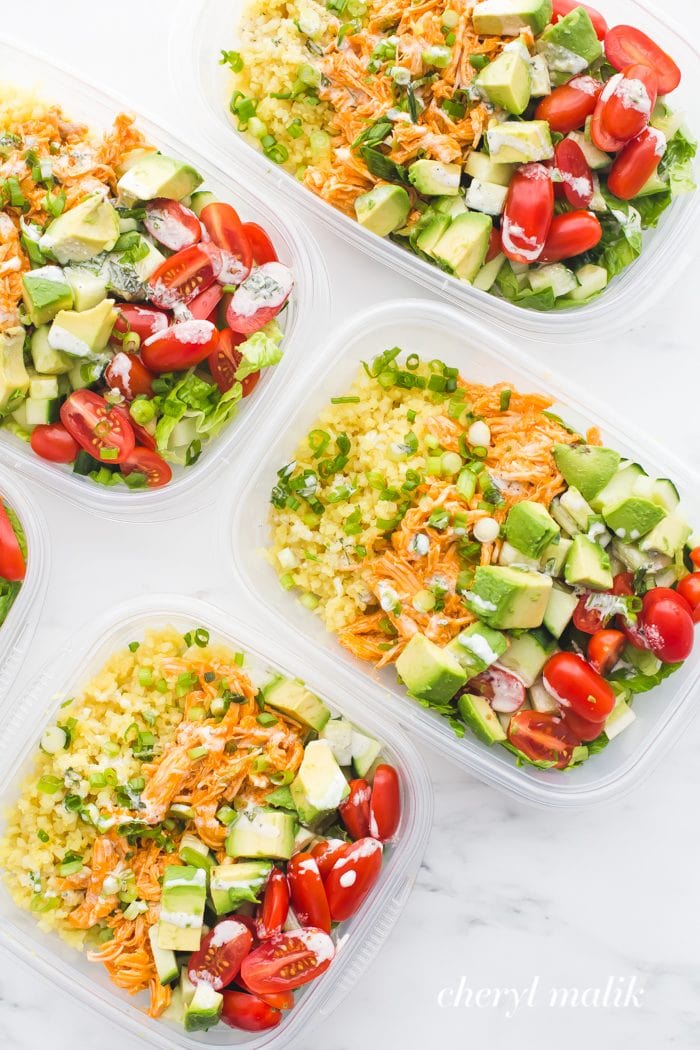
(361, 937)
(17, 630)
(304, 316)
(203, 27)
(433, 330)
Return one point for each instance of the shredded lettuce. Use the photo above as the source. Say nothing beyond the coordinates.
(260, 350)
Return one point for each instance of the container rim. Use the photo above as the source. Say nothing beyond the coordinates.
(310, 311)
(359, 945)
(633, 293)
(17, 631)
(434, 732)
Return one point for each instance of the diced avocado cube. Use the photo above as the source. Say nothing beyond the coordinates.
(668, 537)
(88, 288)
(82, 232)
(571, 44)
(559, 278)
(155, 175)
(14, 379)
(293, 699)
(194, 852)
(560, 609)
(508, 555)
(146, 266)
(597, 160)
(429, 672)
(83, 334)
(451, 206)
(186, 986)
(264, 833)
(508, 598)
(588, 565)
(519, 141)
(591, 280)
(480, 166)
(462, 248)
(486, 277)
(232, 884)
(430, 231)
(586, 467)
(432, 178)
(204, 1011)
(658, 490)
(47, 360)
(338, 735)
(527, 655)
(655, 184)
(182, 908)
(632, 517)
(578, 755)
(164, 959)
(506, 82)
(477, 647)
(540, 81)
(554, 556)
(365, 751)
(319, 786)
(481, 719)
(199, 201)
(619, 718)
(509, 17)
(45, 291)
(486, 197)
(383, 209)
(530, 528)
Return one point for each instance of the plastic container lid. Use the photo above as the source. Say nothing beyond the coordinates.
(360, 938)
(305, 315)
(18, 629)
(428, 329)
(201, 29)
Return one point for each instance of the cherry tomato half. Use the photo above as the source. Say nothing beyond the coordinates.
(127, 374)
(183, 276)
(495, 247)
(352, 877)
(689, 588)
(588, 620)
(272, 913)
(504, 692)
(625, 45)
(584, 730)
(354, 811)
(99, 430)
(12, 564)
(259, 298)
(308, 894)
(601, 138)
(528, 213)
(205, 304)
(637, 162)
(223, 225)
(180, 346)
(172, 224)
(567, 107)
(143, 320)
(385, 805)
(571, 234)
(248, 1012)
(543, 737)
(52, 441)
(628, 109)
(576, 175)
(261, 245)
(695, 557)
(605, 649)
(664, 626)
(562, 7)
(219, 957)
(224, 362)
(326, 853)
(288, 961)
(280, 1000)
(147, 461)
(576, 685)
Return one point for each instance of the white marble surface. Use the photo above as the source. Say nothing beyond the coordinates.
(507, 895)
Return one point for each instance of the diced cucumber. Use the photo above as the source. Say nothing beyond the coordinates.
(555, 276)
(486, 277)
(591, 279)
(597, 160)
(20, 415)
(42, 410)
(365, 751)
(563, 518)
(85, 373)
(661, 491)
(338, 735)
(43, 387)
(540, 699)
(48, 361)
(620, 486)
(164, 959)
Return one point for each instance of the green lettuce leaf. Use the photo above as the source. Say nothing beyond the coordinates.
(642, 683)
(260, 350)
(8, 593)
(677, 163)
